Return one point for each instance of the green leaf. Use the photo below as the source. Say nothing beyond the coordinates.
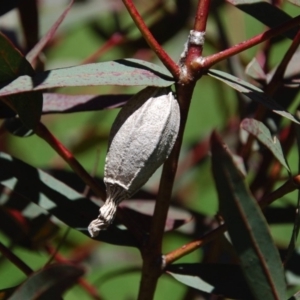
(247, 228)
(12, 64)
(251, 92)
(218, 279)
(266, 13)
(296, 227)
(34, 185)
(49, 283)
(125, 72)
(263, 134)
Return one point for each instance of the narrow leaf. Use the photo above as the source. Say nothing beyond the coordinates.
(62, 103)
(49, 283)
(296, 227)
(54, 103)
(254, 70)
(124, 72)
(12, 64)
(251, 92)
(267, 13)
(263, 134)
(220, 279)
(34, 185)
(247, 227)
(38, 48)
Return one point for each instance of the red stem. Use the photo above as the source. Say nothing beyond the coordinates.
(195, 51)
(115, 40)
(215, 58)
(201, 15)
(154, 45)
(46, 135)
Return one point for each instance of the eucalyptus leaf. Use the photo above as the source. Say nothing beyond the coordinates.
(267, 13)
(13, 64)
(124, 72)
(247, 227)
(262, 133)
(48, 283)
(296, 227)
(62, 103)
(251, 92)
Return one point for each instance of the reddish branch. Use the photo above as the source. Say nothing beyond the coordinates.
(46, 135)
(215, 58)
(201, 15)
(115, 40)
(153, 44)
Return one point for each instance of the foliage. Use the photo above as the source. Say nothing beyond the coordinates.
(213, 220)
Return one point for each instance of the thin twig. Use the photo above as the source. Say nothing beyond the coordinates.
(115, 40)
(215, 58)
(194, 245)
(56, 250)
(201, 15)
(43, 132)
(194, 49)
(288, 187)
(15, 260)
(154, 45)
